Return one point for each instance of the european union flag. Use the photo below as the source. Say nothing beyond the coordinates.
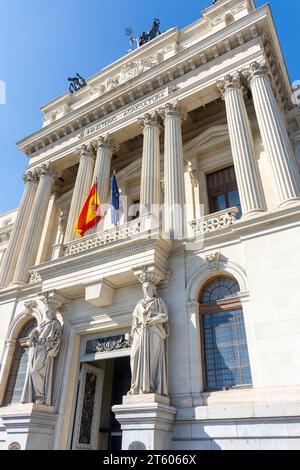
(115, 201)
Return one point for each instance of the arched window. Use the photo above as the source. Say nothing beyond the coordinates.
(18, 368)
(224, 342)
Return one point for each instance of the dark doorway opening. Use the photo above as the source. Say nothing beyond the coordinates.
(117, 383)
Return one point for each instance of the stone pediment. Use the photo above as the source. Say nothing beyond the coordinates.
(206, 140)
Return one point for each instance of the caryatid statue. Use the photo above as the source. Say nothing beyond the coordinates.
(149, 332)
(44, 343)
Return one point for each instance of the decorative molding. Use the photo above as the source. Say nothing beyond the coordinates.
(205, 272)
(149, 120)
(213, 261)
(35, 278)
(108, 344)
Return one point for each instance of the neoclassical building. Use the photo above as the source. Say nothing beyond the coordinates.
(200, 129)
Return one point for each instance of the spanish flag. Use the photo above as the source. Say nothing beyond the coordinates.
(90, 214)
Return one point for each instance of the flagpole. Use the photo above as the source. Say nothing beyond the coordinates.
(96, 203)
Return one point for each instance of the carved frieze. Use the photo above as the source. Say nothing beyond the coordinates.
(108, 344)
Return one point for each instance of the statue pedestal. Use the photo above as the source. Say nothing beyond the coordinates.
(28, 426)
(146, 422)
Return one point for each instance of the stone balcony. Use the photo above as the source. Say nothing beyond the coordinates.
(111, 256)
(213, 222)
(138, 228)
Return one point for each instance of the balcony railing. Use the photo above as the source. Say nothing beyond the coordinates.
(123, 232)
(217, 221)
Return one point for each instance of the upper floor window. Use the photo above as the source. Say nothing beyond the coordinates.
(18, 370)
(222, 190)
(225, 347)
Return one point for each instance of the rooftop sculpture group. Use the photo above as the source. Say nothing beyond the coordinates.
(144, 37)
(76, 83)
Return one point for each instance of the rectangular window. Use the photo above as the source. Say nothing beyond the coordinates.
(225, 350)
(222, 190)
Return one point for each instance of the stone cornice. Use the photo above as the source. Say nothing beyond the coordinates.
(219, 43)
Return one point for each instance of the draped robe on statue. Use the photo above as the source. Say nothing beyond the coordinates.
(148, 355)
(45, 343)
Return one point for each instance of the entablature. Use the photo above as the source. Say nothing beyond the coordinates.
(164, 79)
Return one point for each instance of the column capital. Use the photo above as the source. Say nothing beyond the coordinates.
(47, 169)
(30, 177)
(84, 151)
(105, 142)
(150, 273)
(229, 83)
(149, 120)
(53, 301)
(172, 109)
(255, 70)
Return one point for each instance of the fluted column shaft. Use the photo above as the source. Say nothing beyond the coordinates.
(274, 136)
(150, 176)
(23, 216)
(81, 189)
(105, 148)
(242, 147)
(174, 214)
(30, 244)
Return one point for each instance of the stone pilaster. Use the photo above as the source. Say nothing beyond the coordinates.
(274, 136)
(9, 263)
(174, 215)
(30, 244)
(81, 189)
(105, 148)
(150, 177)
(242, 147)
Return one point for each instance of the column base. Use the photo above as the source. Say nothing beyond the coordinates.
(17, 284)
(28, 426)
(295, 201)
(146, 422)
(252, 214)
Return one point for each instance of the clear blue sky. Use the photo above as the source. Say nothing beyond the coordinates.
(44, 41)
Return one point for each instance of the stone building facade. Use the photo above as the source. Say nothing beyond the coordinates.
(202, 121)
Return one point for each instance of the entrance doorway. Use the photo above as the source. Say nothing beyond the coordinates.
(102, 385)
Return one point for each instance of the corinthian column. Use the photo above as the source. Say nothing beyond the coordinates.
(150, 177)
(242, 146)
(30, 244)
(23, 216)
(274, 136)
(105, 149)
(81, 189)
(174, 218)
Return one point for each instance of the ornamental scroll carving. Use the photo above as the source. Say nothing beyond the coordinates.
(108, 344)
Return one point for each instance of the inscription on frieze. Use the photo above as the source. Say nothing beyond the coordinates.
(127, 112)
